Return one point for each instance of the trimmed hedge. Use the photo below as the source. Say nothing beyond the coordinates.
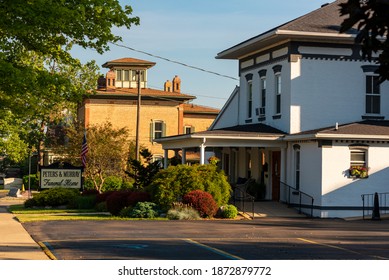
(53, 197)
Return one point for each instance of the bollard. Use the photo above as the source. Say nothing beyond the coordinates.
(376, 209)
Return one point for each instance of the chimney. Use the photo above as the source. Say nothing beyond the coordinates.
(110, 77)
(101, 82)
(176, 84)
(167, 86)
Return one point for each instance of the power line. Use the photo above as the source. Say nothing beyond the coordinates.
(176, 62)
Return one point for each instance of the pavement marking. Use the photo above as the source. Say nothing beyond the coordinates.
(339, 248)
(212, 249)
(45, 247)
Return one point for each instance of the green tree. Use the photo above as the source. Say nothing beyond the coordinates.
(371, 19)
(144, 170)
(39, 75)
(107, 155)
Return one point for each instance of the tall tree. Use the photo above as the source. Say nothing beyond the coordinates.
(371, 19)
(39, 75)
(107, 151)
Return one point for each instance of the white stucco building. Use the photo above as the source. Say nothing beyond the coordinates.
(308, 108)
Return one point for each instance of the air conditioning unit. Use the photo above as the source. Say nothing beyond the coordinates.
(257, 111)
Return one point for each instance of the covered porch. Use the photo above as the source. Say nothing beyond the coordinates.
(248, 151)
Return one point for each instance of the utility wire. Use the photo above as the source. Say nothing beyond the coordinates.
(174, 61)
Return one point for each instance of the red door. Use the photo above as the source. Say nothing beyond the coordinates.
(276, 171)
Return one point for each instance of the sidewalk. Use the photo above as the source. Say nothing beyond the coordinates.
(15, 242)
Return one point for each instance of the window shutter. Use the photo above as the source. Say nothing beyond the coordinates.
(151, 132)
(192, 129)
(163, 129)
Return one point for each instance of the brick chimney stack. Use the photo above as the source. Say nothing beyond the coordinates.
(110, 78)
(176, 84)
(167, 86)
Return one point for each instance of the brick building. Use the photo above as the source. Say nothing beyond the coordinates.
(162, 112)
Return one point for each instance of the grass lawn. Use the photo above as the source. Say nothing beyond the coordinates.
(25, 215)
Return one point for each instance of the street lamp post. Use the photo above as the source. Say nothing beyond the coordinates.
(138, 117)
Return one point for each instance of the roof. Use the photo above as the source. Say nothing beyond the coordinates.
(321, 25)
(368, 129)
(199, 109)
(129, 61)
(248, 130)
(129, 93)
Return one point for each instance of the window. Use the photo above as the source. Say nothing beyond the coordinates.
(188, 129)
(358, 157)
(278, 89)
(126, 75)
(134, 75)
(278, 93)
(373, 98)
(263, 92)
(249, 79)
(250, 100)
(119, 75)
(157, 130)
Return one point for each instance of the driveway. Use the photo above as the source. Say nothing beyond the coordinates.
(263, 238)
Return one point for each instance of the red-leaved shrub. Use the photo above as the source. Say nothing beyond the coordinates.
(202, 202)
(117, 200)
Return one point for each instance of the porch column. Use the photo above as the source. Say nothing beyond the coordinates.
(202, 152)
(165, 158)
(183, 156)
(283, 165)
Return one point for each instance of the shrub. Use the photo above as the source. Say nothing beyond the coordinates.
(135, 197)
(53, 197)
(112, 183)
(102, 197)
(144, 210)
(171, 184)
(101, 207)
(126, 212)
(202, 202)
(90, 192)
(229, 211)
(182, 211)
(117, 200)
(84, 202)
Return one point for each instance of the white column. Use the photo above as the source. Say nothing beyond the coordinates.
(165, 158)
(202, 152)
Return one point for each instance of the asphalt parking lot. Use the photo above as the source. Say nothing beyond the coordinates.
(258, 239)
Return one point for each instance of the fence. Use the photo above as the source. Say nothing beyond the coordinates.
(368, 204)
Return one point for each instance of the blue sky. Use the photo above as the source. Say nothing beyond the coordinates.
(193, 32)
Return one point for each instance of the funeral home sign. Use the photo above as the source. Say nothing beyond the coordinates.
(52, 177)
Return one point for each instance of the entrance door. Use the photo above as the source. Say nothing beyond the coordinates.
(276, 171)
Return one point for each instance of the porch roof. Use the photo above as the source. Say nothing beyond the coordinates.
(364, 130)
(253, 135)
